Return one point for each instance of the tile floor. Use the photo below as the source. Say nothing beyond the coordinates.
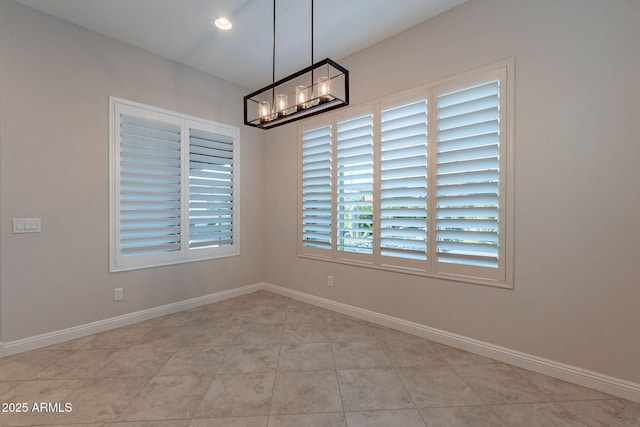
(265, 360)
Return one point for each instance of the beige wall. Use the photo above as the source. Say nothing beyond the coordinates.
(55, 80)
(577, 283)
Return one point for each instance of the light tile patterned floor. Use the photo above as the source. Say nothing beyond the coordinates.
(265, 360)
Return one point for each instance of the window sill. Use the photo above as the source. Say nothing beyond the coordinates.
(414, 271)
(120, 268)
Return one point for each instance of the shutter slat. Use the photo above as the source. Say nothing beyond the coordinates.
(467, 166)
(150, 159)
(467, 248)
(402, 222)
(309, 197)
(473, 130)
(210, 137)
(407, 180)
(468, 142)
(404, 202)
(414, 192)
(347, 202)
(414, 233)
(469, 201)
(318, 134)
(152, 148)
(355, 142)
(476, 153)
(209, 244)
(357, 175)
(405, 253)
(468, 224)
(322, 157)
(149, 135)
(412, 132)
(128, 121)
(469, 94)
(401, 151)
(318, 204)
(469, 118)
(478, 104)
(315, 149)
(346, 163)
(322, 169)
(467, 189)
(392, 113)
(470, 213)
(406, 162)
(317, 220)
(131, 168)
(149, 249)
(315, 180)
(210, 198)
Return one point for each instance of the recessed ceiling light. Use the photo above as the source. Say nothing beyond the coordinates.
(223, 23)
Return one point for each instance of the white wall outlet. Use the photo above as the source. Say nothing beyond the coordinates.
(330, 281)
(118, 294)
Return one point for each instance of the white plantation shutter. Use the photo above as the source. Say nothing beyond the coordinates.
(355, 185)
(211, 189)
(468, 179)
(417, 182)
(403, 181)
(316, 188)
(150, 191)
(173, 187)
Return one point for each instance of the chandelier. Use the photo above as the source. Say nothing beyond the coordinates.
(318, 88)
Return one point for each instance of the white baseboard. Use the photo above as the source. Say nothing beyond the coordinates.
(56, 337)
(604, 383)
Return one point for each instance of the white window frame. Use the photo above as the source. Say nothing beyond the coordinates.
(119, 262)
(502, 276)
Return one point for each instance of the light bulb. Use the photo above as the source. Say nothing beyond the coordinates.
(323, 89)
(264, 111)
(281, 104)
(301, 98)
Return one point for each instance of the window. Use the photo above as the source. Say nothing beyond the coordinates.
(173, 187)
(418, 183)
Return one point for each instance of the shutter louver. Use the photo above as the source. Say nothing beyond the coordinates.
(355, 185)
(150, 195)
(211, 189)
(403, 181)
(468, 172)
(316, 188)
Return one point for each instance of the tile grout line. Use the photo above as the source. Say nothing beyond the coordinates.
(394, 368)
(335, 371)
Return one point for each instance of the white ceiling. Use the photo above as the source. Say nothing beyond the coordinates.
(181, 30)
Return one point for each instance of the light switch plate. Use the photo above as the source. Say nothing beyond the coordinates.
(27, 225)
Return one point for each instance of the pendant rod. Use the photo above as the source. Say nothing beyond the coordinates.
(312, 74)
(273, 58)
